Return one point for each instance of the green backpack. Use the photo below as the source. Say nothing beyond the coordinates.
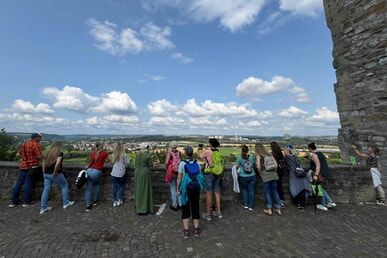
(217, 163)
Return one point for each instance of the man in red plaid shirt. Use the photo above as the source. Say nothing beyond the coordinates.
(30, 153)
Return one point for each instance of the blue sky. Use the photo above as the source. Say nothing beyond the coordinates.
(210, 67)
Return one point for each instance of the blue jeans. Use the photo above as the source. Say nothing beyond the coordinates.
(93, 178)
(61, 181)
(24, 178)
(118, 183)
(325, 198)
(248, 187)
(270, 188)
(212, 183)
(176, 200)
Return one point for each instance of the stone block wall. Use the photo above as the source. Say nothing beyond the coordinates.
(349, 185)
(359, 35)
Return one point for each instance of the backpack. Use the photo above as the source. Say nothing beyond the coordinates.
(81, 179)
(247, 166)
(176, 159)
(217, 163)
(270, 164)
(300, 172)
(192, 169)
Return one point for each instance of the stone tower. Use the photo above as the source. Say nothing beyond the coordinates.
(359, 34)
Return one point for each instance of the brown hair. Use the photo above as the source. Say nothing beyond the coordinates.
(53, 154)
(260, 150)
(245, 151)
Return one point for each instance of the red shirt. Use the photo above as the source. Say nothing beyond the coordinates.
(100, 160)
(30, 153)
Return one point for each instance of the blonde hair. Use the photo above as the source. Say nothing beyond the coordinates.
(118, 152)
(52, 154)
(97, 151)
(260, 150)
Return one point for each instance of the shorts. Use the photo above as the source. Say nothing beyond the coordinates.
(212, 183)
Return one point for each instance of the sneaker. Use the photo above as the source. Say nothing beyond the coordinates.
(115, 203)
(321, 207)
(282, 204)
(42, 211)
(219, 214)
(331, 204)
(245, 207)
(70, 203)
(250, 209)
(197, 232)
(88, 208)
(174, 208)
(120, 202)
(206, 216)
(95, 202)
(185, 233)
(11, 205)
(300, 208)
(380, 202)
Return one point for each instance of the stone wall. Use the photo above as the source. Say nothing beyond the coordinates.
(349, 185)
(359, 35)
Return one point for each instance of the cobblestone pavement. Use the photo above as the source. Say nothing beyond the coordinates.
(345, 231)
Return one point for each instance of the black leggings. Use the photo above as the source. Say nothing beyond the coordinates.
(192, 206)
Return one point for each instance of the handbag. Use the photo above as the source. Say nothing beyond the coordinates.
(320, 178)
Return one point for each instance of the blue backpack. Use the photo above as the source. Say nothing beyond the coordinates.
(192, 169)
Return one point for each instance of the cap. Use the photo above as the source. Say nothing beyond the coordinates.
(289, 147)
(188, 150)
(34, 135)
(173, 144)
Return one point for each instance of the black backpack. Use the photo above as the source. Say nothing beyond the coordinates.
(81, 179)
(193, 170)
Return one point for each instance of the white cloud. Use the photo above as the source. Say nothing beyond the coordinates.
(256, 86)
(149, 77)
(181, 58)
(232, 14)
(209, 108)
(156, 37)
(162, 108)
(165, 121)
(292, 112)
(324, 114)
(117, 103)
(302, 7)
(109, 39)
(27, 107)
(71, 98)
(300, 95)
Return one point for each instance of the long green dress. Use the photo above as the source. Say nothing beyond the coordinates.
(143, 183)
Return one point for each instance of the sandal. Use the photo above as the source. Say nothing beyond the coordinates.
(278, 211)
(267, 211)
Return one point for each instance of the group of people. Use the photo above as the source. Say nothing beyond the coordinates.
(186, 178)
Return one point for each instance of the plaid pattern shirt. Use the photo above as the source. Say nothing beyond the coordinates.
(30, 153)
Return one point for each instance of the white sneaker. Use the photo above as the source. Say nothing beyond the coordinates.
(70, 203)
(115, 203)
(120, 202)
(331, 204)
(321, 207)
(45, 210)
(206, 216)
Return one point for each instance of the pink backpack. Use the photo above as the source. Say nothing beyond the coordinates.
(176, 159)
(173, 165)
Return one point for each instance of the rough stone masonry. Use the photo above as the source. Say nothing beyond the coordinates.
(359, 34)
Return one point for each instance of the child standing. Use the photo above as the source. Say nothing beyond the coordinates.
(120, 161)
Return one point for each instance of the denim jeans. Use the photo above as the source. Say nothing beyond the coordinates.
(61, 181)
(325, 198)
(118, 183)
(248, 187)
(93, 178)
(24, 179)
(176, 200)
(270, 188)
